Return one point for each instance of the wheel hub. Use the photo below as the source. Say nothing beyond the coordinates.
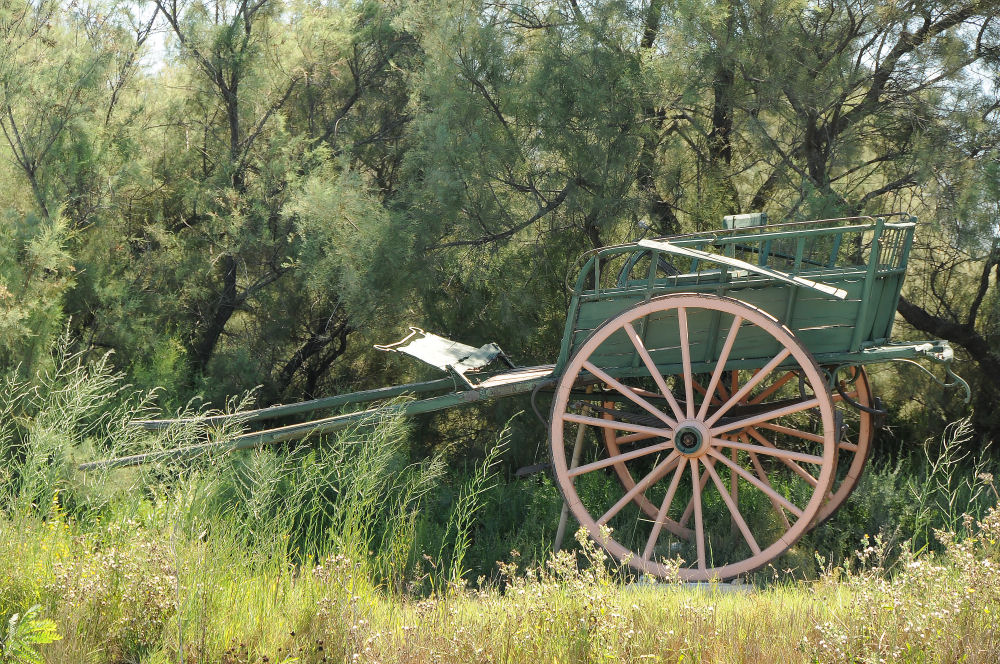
(689, 440)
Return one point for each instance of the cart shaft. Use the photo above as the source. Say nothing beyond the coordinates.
(522, 381)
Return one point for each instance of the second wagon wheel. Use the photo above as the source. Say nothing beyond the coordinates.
(725, 503)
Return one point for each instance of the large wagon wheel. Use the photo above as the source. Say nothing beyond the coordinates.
(857, 430)
(678, 445)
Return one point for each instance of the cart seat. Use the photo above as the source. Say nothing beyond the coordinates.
(445, 354)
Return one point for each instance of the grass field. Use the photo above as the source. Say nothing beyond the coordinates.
(136, 592)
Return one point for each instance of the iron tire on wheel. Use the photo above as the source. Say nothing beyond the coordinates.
(692, 437)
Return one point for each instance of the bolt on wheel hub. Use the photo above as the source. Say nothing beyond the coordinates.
(689, 440)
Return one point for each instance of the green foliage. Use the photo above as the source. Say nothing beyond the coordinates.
(25, 632)
(251, 206)
(72, 408)
(35, 273)
(343, 233)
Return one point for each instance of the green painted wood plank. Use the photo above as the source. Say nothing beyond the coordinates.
(826, 339)
(812, 313)
(594, 313)
(886, 308)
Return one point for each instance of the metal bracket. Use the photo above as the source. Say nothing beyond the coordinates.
(945, 357)
(461, 382)
(877, 411)
(956, 380)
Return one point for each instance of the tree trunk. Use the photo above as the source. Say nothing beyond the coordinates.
(814, 147)
(985, 399)
(720, 137)
(326, 336)
(661, 214)
(218, 316)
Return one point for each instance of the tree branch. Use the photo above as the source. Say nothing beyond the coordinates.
(984, 285)
(979, 348)
(884, 70)
(503, 235)
(899, 183)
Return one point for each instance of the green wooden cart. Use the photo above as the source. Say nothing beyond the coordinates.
(722, 373)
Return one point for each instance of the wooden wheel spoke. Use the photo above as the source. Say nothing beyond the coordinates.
(647, 360)
(766, 489)
(659, 471)
(689, 508)
(796, 468)
(850, 447)
(750, 384)
(762, 474)
(619, 458)
(616, 424)
(700, 389)
(634, 437)
(850, 395)
(699, 524)
(771, 389)
(733, 480)
(718, 397)
(733, 509)
(720, 365)
(789, 431)
(661, 514)
(682, 322)
(765, 416)
(770, 451)
(628, 393)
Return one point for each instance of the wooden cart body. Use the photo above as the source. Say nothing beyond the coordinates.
(866, 258)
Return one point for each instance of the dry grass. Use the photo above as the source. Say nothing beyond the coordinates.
(119, 594)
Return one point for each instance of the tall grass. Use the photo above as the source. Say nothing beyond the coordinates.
(266, 513)
(111, 593)
(462, 517)
(905, 503)
(355, 493)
